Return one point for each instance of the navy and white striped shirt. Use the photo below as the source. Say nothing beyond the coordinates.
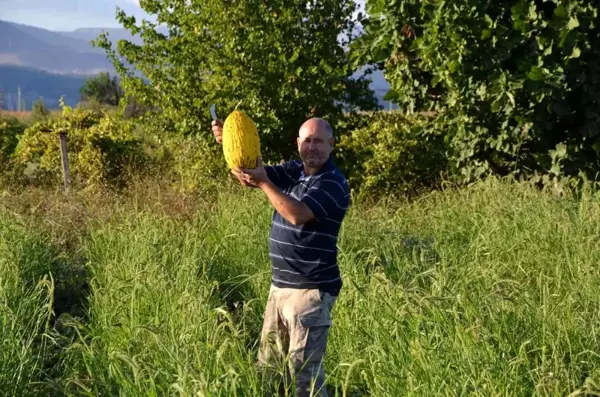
(305, 256)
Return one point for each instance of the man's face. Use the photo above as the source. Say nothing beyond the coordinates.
(314, 145)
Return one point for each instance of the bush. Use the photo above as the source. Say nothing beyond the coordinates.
(39, 111)
(392, 155)
(10, 131)
(101, 148)
(516, 81)
(190, 163)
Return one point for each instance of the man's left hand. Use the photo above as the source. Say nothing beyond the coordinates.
(255, 177)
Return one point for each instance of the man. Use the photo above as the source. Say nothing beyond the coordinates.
(310, 198)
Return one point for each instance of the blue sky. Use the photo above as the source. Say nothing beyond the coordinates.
(66, 15)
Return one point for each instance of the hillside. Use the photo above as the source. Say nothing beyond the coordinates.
(35, 84)
(50, 51)
(88, 34)
(70, 54)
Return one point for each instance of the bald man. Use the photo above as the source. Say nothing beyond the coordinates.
(310, 198)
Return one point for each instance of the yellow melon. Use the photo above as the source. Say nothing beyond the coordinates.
(241, 145)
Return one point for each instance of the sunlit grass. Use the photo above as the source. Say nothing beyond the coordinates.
(486, 291)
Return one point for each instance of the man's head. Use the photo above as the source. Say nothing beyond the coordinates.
(315, 142)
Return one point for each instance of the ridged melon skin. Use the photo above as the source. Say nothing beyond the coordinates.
(241, 145)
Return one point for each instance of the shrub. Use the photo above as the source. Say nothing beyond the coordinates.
(10, 130)
(39, 111)
(101, 148)
(392, 155)
(190, 162)
(516, 81)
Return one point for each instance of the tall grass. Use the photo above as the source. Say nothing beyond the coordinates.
(26, 294)
(486, 291)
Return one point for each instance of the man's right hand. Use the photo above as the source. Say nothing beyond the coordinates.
(241, 179)
(217, 129)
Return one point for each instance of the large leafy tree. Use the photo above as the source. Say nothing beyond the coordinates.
(516, 83)
(280, 61)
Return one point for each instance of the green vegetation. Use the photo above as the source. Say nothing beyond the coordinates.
(280, 61)
(151, 276)
(489, 290)
(26, 295)
(101, 147)
(102, 89)
(515, 82)
(388, 154)
(10, 130)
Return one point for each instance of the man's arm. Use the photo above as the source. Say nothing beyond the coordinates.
(294, 211)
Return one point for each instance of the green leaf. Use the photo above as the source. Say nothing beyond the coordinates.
(536, 74)
(391, 95)
(488, 20)
(576, 53)
(452, 66)
(561, 150)
(496, 106)
(573, 23)
(560, 12)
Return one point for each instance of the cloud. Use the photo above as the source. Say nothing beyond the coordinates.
(134, 2)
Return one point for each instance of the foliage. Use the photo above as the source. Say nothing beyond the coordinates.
(25, 308)
(100, 147)
(516, 82)
(479, 291)
(39, 111)
(102, 89)
(279, 61)
(190, 163)
(10, 131)
(392, 155)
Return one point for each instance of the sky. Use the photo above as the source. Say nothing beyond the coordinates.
(68, 15)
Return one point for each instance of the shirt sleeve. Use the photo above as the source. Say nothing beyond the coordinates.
(273, 174)
(327, 198)
(278, 174)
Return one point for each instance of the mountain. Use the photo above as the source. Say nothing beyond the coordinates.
(36, 84)
(50, 51)
(72, 54)
(114, 34)
(55, 39)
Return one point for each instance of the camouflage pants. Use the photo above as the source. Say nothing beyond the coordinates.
(295, 329)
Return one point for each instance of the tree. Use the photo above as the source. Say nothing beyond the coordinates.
(103, 89)
(280, 61)
(515, 82)
(39, 111)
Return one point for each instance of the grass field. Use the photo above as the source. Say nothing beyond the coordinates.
(12, 113)
(486, 291)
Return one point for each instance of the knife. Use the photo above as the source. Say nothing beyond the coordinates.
(212, 112)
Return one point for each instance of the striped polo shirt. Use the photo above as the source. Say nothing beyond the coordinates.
(305, 256)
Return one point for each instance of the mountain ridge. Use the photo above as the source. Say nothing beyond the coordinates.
(71, 54)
